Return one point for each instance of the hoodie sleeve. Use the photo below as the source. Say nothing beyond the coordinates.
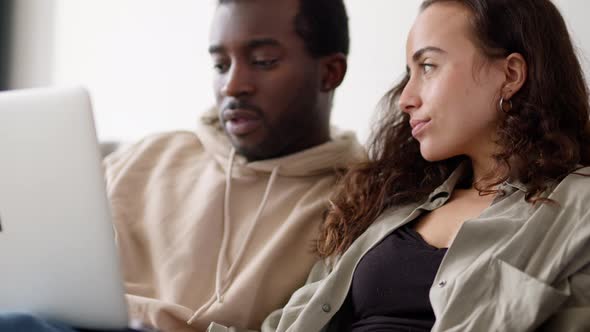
(114, 163)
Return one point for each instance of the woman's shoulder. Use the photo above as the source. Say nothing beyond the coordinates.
(573, 192)
(577, 182)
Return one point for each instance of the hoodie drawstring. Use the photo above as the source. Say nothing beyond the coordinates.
(222, 256)
(246, 240)
(222, 283)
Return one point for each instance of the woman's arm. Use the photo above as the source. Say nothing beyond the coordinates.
(281, 319)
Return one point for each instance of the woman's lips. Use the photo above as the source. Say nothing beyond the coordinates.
(418, 126)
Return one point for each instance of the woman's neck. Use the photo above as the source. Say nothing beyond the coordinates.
(483, 173)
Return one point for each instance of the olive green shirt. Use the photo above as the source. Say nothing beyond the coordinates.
(516, 267)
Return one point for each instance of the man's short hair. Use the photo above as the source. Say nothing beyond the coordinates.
(323, 25)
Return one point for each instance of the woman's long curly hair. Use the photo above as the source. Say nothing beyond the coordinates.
(543, 138)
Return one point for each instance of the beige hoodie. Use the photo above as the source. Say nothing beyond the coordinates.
(206, 236)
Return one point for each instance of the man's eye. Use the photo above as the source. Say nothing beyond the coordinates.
(265, 63)
(220, 67)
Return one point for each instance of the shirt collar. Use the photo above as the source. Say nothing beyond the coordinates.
(514, 185)
(445, 189)
(450, 183)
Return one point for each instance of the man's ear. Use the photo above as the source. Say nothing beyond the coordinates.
(334, 68)
(515, 69)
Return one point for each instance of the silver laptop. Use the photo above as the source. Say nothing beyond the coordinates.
(58, 256)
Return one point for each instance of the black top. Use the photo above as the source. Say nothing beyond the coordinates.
(391, 283)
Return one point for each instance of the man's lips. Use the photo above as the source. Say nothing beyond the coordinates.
(240, 122)
(418, 126)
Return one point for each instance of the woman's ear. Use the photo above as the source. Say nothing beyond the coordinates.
(334, 68)
(515, 69)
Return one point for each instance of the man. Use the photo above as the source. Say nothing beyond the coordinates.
(218, 224)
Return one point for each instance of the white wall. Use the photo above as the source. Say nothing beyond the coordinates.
(146, 64)
(32, 53)
(576, 15)
(377, 58)
(145, 61)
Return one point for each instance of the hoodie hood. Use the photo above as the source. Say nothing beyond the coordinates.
(342, 150)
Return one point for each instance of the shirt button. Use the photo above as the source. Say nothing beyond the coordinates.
(326, 308)
(442, 283)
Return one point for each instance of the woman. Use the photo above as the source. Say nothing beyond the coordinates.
(472, 214)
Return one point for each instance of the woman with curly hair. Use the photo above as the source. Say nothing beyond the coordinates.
(473, 211)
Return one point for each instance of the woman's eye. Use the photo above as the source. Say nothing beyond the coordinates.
(427, 67)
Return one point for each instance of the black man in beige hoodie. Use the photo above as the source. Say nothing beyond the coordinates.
(219, 224)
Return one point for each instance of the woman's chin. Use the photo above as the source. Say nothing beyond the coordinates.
(431, 154)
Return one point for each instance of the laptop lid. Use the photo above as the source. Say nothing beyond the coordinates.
(57, 250)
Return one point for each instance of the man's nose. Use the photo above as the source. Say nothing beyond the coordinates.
(239, 82)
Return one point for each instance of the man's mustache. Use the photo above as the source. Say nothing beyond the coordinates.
(242, 105)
